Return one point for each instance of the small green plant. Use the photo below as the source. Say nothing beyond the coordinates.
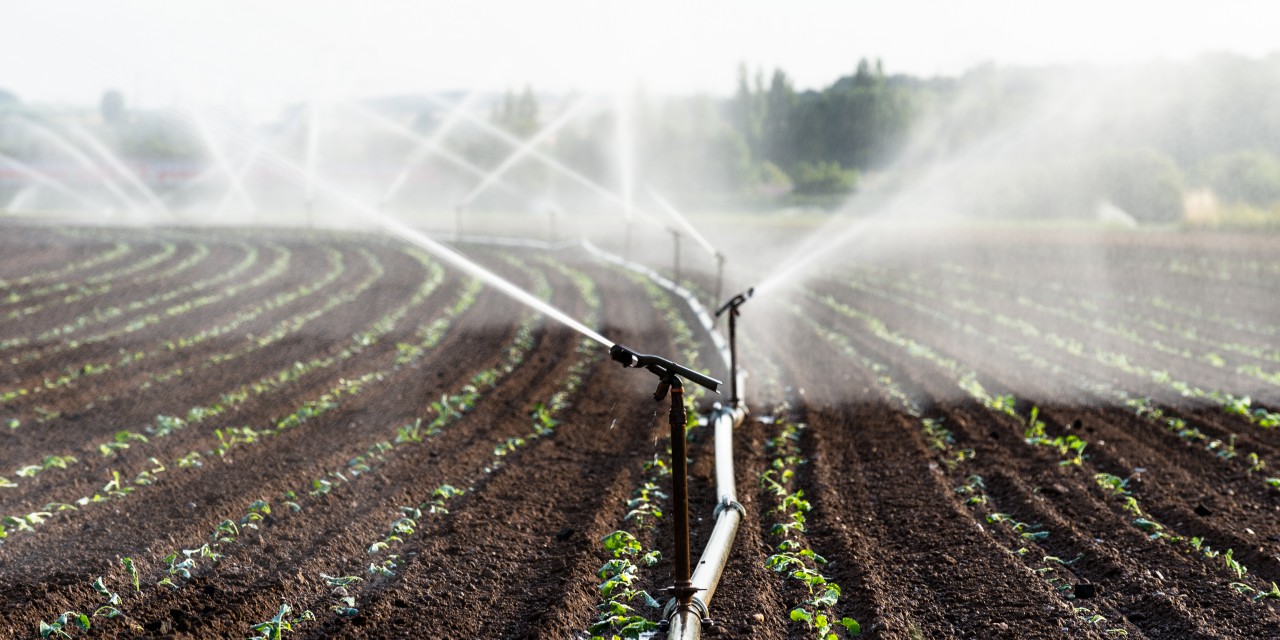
(283, 621)
(543, 423)
(58, 628)
(131, 569)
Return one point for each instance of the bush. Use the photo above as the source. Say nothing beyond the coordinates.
(1143, 183)
(823, 178)
(1245, 177)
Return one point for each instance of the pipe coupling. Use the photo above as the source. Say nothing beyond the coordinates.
(726, 503)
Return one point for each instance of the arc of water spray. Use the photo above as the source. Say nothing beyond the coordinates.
(115, 164)
(292, 170)
(84, 161)
(808, 255)
(39, 177)
(425, 146)
(558, 166)
(313, 152)
(626, 155)
(234, 178)
(525, 149)
(682, 221)
(240, 173)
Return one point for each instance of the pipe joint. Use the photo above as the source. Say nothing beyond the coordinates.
(725, 504)
(696, 606)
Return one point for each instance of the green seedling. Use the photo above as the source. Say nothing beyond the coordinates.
(131, 569)
(386, 568)
(543, 423)
(166, 425)
(190, 461)
(938, 436)
(1233, 565)
(120, 442)
(274, 628)
(620, 543)
(1256, 463)
(340, 581)
(410, 432)
(346, 607)
(1237, 406)
(1266, 419)
(58, 628)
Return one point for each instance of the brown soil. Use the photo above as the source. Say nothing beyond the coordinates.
(515, 556)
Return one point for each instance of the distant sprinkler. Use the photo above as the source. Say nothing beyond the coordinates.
(626, 241)
(675, 240)
(669, 380)
(731, 307)
(457, 220)
(719, 275)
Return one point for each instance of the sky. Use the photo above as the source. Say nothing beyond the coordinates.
(257, 54)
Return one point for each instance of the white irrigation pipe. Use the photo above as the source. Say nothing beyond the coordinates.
(686, 624)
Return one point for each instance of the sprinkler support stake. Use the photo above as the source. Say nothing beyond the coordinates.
(669, 373)
(681, 589)
(675, 239)
(719, 278)
(732, 307)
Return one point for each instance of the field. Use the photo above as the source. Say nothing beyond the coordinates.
(1018, 434)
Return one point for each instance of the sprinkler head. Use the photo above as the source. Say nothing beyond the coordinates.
(735, 302)
(660, 367)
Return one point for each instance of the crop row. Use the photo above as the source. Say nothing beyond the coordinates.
(327, 400)
(1071, 447)
(99, 315)
(166, 425)
(115, 252)
(792, 556)
(449, 409)
(1223, 448)
(93, 286)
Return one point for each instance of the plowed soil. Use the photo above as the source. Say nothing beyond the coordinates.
(291, 507)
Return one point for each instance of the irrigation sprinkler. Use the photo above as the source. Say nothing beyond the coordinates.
(675, 241)
(669, 381)
(719, 275)
(732, 308)
(457, 221)
(626, 243)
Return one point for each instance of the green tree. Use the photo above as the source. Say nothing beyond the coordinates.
(1248, 177)
(1143, 182)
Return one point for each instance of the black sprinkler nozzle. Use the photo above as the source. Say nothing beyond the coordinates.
(660, 367)
(735, 302)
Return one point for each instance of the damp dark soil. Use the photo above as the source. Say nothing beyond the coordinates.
(296, 509)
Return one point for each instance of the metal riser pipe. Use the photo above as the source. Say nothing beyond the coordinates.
(686, 624)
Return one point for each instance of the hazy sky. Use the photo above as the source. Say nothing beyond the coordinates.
(258, 53)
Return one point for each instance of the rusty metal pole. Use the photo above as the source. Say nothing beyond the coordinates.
(734, 400)
(682, 589)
